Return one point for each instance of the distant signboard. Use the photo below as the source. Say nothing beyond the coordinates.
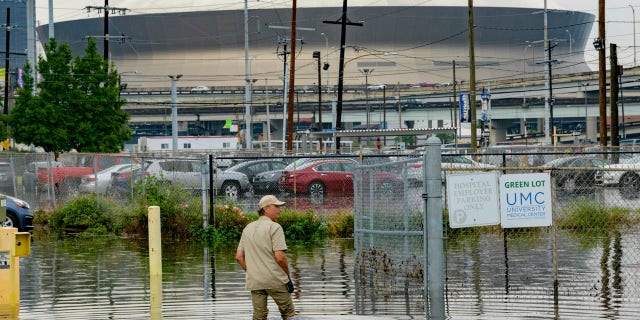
(472, 199)
(525, 200)
(465, 109)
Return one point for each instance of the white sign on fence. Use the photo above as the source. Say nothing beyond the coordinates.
(525, 200)
(472, 199)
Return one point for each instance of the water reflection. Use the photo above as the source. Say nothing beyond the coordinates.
(108, 278)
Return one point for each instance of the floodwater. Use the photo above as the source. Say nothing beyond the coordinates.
(108, 278)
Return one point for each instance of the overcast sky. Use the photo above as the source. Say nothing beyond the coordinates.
(619, 27)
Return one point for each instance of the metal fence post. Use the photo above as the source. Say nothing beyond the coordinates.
(433, 242)
(203, 188)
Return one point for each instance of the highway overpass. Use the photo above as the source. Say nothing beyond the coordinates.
(575, 100)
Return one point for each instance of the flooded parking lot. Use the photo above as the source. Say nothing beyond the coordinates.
(107, 278)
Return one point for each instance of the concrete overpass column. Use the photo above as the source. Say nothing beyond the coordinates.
(499, 130)
(592, 128)
(540, 125)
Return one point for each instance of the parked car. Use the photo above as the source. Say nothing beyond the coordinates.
(254, 167)
(583, 173)
(188, 174)
(332, 176)
(121, 182)
(267, 182)
(66, 179)
(200, 89)
(30, 175)
(624, 174)
(19, 215)
(376, 86)
(449, 163)
(6, 177)
(99, 182)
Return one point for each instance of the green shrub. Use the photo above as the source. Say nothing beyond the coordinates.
(227, 225)
(340, 224)
(177, 217)
(302, 226)
(84, 213)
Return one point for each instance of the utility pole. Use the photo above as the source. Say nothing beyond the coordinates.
(8, 27)
(292, 71)
(285, 95)
(550, 86)
(106, 8)
(455, 113)
(472, 80)
(316, 54)
(600, 44)
(613, 63)
(343, 21)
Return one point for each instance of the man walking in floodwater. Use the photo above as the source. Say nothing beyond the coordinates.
(261, 254)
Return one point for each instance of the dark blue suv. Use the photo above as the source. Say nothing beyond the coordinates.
(19, 215)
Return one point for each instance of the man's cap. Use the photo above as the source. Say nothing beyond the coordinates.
(269, 200)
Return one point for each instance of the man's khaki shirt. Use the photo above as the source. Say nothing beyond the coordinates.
(260, 239)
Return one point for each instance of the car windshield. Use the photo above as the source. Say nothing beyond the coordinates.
(299, 164)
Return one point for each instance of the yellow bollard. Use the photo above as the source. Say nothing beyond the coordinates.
(155, 262)
(13, 245)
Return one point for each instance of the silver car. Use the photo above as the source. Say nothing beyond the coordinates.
(99, 182)
(188, 173)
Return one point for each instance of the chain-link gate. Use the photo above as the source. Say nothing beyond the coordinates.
(587, 259)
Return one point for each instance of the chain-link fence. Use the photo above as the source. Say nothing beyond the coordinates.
(588, 255)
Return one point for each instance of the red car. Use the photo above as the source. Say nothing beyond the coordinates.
(333, 176)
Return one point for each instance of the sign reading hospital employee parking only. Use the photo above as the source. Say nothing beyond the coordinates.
(472, 199)
(525, 200)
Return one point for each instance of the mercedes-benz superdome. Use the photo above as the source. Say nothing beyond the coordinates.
(406, 42)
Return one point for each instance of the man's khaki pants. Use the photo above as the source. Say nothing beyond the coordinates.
(282, 298)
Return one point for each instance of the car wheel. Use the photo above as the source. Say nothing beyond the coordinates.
(630, 182)
(231, 190)
(317, 189)
(10, 221)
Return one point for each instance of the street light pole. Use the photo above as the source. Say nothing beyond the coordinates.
(366, 73)
(247, 85)
(266, 91)
(524, 74)
(326, 57)
(547, 100)
(570, 43)
(174, 112)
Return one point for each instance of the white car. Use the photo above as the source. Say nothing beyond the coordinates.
(624, 174)
(200, 89)
(449, 164)
(99, 182)
(376, 86)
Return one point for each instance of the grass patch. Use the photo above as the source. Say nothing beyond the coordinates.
(590, 215)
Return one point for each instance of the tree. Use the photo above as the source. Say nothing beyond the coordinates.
(77, 106)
